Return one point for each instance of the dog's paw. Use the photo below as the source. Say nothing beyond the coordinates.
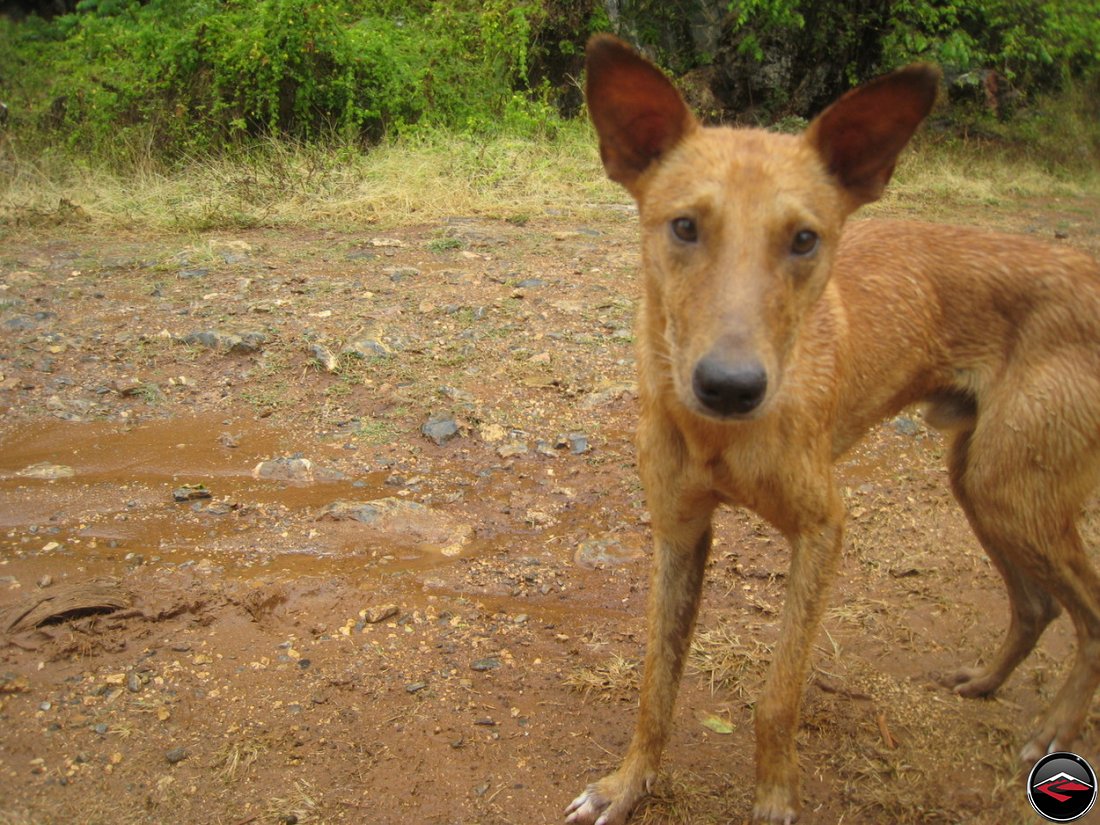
(607, 802)
(588, 809)
(973, 682)
(777, 807)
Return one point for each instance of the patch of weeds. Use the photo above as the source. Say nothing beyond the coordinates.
(376, 431)
(445, 243)
(338, 390)
(267, 396)
(150, 393)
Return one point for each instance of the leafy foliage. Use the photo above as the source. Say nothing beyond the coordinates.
(195, 74)
(183, 77)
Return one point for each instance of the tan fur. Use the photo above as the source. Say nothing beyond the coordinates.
(998, 335)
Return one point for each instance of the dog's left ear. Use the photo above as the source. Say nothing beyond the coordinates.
(861, 135)
(636, 110)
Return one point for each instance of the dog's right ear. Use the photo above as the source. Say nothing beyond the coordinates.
(637, 112)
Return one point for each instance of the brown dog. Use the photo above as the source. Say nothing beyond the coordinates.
(769, 341)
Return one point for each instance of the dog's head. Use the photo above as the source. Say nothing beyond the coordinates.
(740, 225)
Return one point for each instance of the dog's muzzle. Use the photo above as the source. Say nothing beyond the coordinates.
(729, 390)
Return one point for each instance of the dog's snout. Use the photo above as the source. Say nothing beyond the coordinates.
(729, 389)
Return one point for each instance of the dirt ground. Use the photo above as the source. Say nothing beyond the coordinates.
(301, 526)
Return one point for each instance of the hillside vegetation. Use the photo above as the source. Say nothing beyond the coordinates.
(287, 91)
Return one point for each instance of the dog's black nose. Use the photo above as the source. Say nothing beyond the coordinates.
(729, 389)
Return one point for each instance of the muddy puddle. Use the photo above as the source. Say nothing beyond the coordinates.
(224, 491)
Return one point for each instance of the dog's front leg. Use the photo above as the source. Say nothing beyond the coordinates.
(680, 554)
(815, 551)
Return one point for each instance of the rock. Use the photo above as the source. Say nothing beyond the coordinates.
(370, 347)
(175, 755)
(397, 274)
(482, 665)
(606, 551)
(440, 429)
(512, 449)
(904, 425)
(204, 338)
(191, 492)
(243, 343)
(323, 356)
(403, 522)
(128, 387)
(577, 443)
(607, 394)
(46, 471)
(199, 272)
(295, 468)
(374, 615)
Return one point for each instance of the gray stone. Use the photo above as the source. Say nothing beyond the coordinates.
(440, 429)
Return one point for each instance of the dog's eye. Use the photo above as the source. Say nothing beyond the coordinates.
(685, 230)
(804, 243)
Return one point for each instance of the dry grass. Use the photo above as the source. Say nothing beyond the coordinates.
(617, 678)
(300, 807)
(422, 179)
(401, 182)
(235, 757)
(729, 664)
(935, 177)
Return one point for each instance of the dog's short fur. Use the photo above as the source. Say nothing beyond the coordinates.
(769, 341)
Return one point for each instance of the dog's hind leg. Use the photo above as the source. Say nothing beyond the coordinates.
(1026, 475)
(1031, 607)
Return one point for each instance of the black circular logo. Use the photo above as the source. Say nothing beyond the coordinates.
(1061, 787)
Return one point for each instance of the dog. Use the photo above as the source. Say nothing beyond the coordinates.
(770, 338)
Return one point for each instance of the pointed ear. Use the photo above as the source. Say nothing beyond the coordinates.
(860, 136)
(637, 112)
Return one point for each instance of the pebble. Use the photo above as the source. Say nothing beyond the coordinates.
(605, 551)
(400, 273)
(175, 755)
(482, 665)
(904, 425)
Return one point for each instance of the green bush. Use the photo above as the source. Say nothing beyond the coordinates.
(191, 76)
